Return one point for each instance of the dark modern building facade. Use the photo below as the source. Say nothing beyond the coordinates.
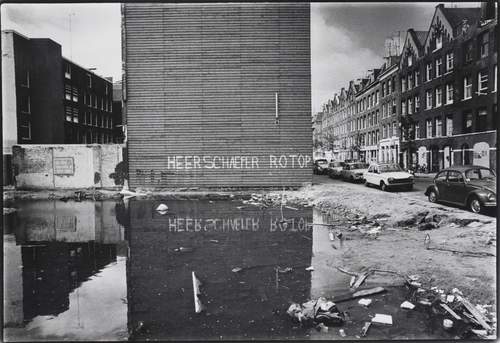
(449, 90)
(217, 95)
(48, 99)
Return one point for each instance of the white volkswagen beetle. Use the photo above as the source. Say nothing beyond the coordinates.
(388, 175)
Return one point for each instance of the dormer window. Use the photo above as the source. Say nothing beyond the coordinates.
(439, 41)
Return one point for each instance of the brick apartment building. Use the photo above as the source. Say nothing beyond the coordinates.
(449, 87)
(435, 103)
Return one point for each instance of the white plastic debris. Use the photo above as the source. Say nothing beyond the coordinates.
(310, 269)
(365, 302)
(450, 298)
(382, 319)
(447, 324)
(162, 208)
(425, 302)
(342, 333)
(330, 235)
(407, 305)
(415, 283)
(456, 291)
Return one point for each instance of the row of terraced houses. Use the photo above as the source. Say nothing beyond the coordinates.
(431, 105)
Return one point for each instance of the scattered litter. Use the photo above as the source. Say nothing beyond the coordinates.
(310, 269)
(316, 311)
(407, 305)
(420, 290)
(480, 333)
(450, 298)
(447, 324)
(415, 283)
(477, 315)
(359, 294)
(361, 279)
(413, 277)
(353, 279)
(322, 327)
(382, 319)
(331, 236)
(236, 270)
(425, 302)
(365, 328)
(198, 306)
(342, 333)
(456, 291)
(365, 302)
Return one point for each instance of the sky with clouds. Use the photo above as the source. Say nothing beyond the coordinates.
(347, 39)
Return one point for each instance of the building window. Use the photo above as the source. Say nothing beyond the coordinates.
(482, 82)
(483, 44)
(25, 103)
(75, 115)
(449, 126)
(95, 101)
(449, 61)
(417, 130)
(403, 84)
(439, 96)
(482, 114)
(439, 64)
(377, 97)
(417, 103)
(25, 129)
(67, 71)
(89, 81)
(428, 126)
(449, 93)
(467, 87)
(410, 60)
(403, 108)
(394, 106)
(384, 89)
(439, 41)
(69, 114)
(394, 129)
(468, 51)
(495, 78)
(468, 122)
(410, 81)
(417, 77)
(75, 94)
(25, 82)
(94, 119)
(389, 87)
(439, 127)
(428, 97)
(410, 106)
(428, 72)
(67, 92)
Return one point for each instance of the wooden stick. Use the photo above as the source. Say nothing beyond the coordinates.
(450, 311)
(340, 269)
(477, 315)
(198, 307)
(361, 279)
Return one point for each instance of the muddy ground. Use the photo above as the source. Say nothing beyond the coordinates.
(388, 230)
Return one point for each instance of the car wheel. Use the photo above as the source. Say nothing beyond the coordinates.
(367, 184)
(475, 205)
(383, 186)
(432, 196)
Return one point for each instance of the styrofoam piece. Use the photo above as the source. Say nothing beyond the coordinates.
(365, 302)
(407, 305)
(382, 319)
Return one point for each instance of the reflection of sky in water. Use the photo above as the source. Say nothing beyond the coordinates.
(97, 309)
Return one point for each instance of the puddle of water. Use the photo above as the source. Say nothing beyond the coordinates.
(120, 270)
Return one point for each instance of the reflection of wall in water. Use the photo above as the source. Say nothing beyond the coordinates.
(159, 279)
(68, 221)
(51, 270)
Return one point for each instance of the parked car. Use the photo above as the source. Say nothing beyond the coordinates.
(388, 176)
(354, 171)
(335, 169)
(320, 166)
(473, 187)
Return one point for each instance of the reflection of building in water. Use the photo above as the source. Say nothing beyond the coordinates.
(222, 237)
(59, 245)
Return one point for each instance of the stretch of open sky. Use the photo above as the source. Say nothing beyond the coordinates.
(347, 39)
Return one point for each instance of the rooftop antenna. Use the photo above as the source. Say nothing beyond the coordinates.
(70, 36)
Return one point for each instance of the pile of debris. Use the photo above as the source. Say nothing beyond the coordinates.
(456, 309)
(320, 313)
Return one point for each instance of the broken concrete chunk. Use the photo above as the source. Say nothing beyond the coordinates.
(425, 302)
(450, 298)
(447, 324)
(382, 319)
(365, 302)
(407, 305)
(342, 333)
(415, 283)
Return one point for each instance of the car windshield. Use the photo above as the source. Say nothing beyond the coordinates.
(388, 168)
(359, 166)
(322, 162)
(479, 174)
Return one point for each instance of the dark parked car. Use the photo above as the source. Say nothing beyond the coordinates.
(471, 186)
(335, 169)
(320, 166)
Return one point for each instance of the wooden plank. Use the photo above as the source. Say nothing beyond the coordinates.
(477, 315)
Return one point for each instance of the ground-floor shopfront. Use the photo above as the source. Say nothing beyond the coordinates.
(434, 154)
(389, 150)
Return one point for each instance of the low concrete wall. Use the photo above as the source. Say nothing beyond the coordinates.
(46, 166)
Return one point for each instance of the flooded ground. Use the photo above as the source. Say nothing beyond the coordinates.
(121, 270)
